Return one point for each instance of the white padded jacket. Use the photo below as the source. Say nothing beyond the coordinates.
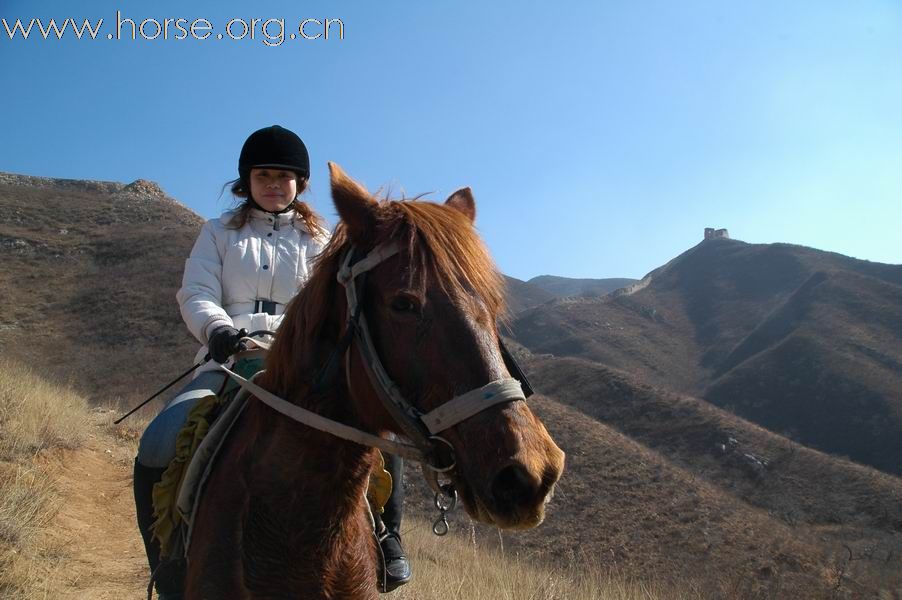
(229, 270)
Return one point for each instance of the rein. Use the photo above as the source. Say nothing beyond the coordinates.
(428, 447)
(317, 421)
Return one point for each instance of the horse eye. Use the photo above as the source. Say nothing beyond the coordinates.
(403, 304)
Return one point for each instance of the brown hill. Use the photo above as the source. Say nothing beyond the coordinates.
(88, 278)
(800, 340)
(561, 287)
(522, 295)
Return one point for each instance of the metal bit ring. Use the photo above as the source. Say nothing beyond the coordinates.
(453, 464)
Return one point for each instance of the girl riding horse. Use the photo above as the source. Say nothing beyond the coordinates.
(396, 331)
(243, 270)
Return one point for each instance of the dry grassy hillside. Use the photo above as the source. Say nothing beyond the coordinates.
(663, 483)
(802, 341)
(794, 483)
(88, 276)
(826, 367)
(67, 527)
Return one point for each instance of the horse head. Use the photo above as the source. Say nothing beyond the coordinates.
(432, 310)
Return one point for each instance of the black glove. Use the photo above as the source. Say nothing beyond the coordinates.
(224, 342)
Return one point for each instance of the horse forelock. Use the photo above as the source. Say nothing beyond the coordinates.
(443, 241)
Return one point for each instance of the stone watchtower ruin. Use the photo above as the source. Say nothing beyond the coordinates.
(716, 234)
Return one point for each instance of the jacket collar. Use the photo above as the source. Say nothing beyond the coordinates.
(285, 218)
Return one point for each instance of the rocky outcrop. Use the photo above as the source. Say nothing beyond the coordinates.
(86, 185)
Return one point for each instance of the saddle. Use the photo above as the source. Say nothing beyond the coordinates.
(175, 497)
(197, 445)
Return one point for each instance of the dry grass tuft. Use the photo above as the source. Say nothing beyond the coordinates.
(454, 567)
(34, 416)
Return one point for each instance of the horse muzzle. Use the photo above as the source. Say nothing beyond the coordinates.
(512, 492)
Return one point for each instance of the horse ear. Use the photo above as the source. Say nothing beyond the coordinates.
(462, 200)
(355, 206)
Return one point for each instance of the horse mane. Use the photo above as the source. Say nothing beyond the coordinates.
(441, 242)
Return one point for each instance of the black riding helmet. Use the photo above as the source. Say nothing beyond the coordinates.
(274, 147)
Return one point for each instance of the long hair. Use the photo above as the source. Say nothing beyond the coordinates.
(241, 189)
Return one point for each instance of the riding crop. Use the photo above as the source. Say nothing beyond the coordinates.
(242, 332)
(162, 389)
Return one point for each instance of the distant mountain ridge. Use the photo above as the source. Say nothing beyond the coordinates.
(566, 286)
(522, 295)
(794, 338)
(546, 288)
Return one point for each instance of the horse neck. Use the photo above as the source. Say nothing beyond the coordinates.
(316, 483)
(319, 463)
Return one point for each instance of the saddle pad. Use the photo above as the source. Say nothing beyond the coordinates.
(201, 464)
(168, 520)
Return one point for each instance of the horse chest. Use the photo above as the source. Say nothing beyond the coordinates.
(311, 557)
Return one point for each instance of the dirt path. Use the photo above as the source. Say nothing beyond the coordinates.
(102, 555)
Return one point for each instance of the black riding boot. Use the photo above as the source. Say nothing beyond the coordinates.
(169, 586)
(397, 567)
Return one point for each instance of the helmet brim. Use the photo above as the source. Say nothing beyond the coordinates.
(291, 168)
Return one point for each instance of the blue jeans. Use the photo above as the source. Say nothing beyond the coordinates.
(157, 447)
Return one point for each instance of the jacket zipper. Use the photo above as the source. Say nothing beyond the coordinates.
(272, 258)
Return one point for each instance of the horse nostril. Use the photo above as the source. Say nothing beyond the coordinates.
(513, 487)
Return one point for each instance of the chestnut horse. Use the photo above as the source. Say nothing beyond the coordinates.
(284, 513)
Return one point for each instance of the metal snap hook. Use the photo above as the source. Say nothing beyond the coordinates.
(445, 501)
(441, 526)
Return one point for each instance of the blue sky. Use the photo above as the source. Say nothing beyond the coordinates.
(599, 138)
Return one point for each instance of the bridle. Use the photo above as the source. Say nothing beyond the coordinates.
(422, 429)
(434, 452)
